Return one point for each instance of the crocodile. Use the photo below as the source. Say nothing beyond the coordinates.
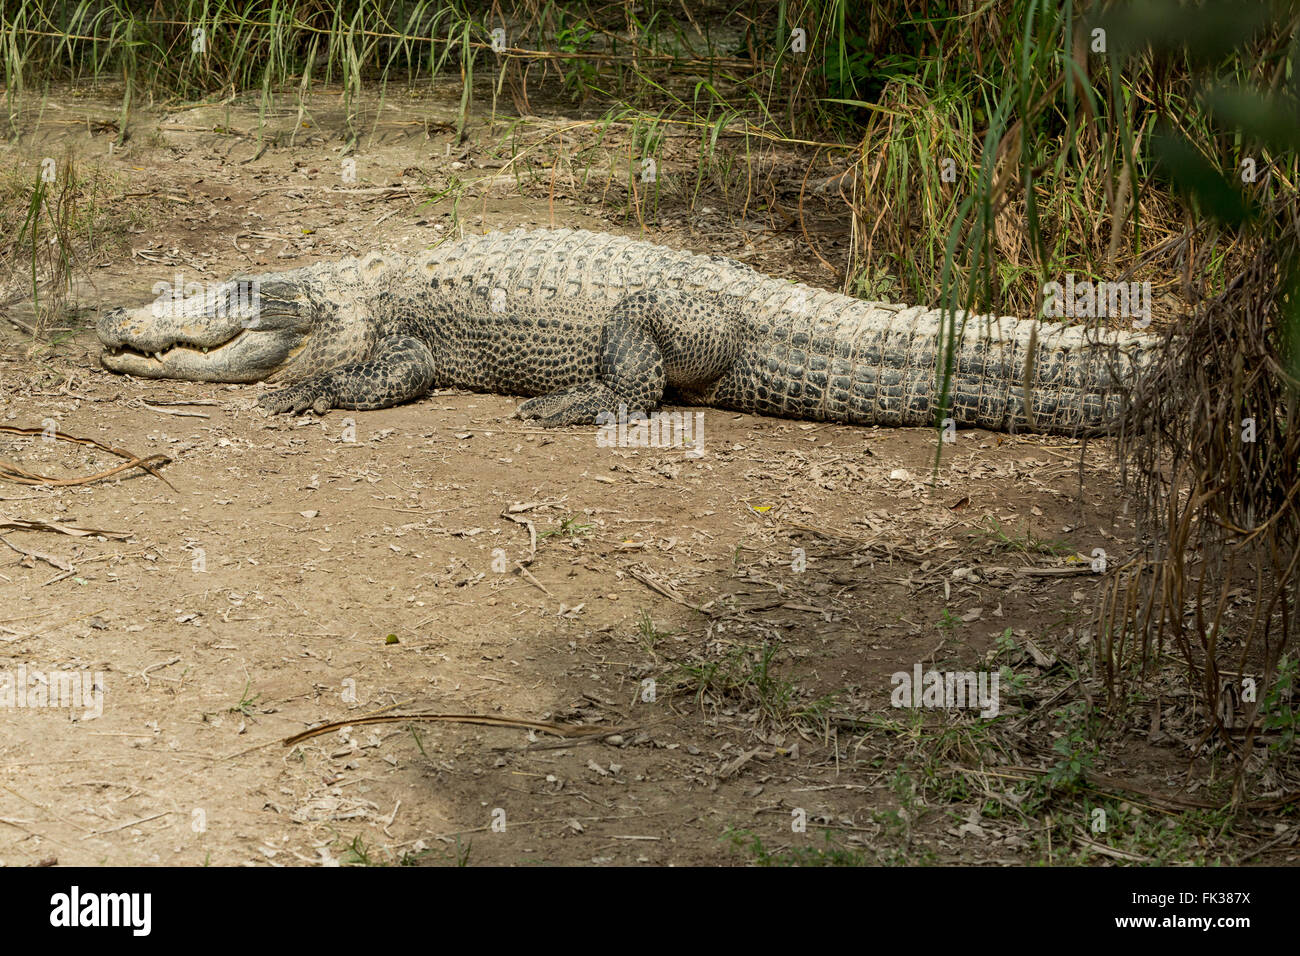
(590, 323)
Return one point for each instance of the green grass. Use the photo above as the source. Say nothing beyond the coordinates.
(649, 634)
(1025, 541)
(247, 701)
(949, 771)
(357, 853)
(747, 677)
(1281, 708)
(828, 853)
(569, 528)
(54, 216)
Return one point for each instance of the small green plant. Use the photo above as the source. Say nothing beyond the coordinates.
(1010, 678)
(746, 676)
(650, 635)
(1025, 542)
(573, 36)
(874, 284)
(246, 701)
(1076, 750)
(459, 855)
(462, 852)
(569, 528)
(358, 854)
(419, 741)
(1076, 758)
(1279, 706)
(828, 854)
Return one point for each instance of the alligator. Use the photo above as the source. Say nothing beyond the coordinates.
(586, 323)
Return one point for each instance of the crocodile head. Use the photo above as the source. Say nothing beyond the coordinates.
(244, 330)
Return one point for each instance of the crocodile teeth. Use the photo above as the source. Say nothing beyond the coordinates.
(205, 350)
(158, 356)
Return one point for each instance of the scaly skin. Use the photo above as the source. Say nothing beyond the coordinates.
(587, 321)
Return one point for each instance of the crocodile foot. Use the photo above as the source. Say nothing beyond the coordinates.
(576, 405)
(297, 399)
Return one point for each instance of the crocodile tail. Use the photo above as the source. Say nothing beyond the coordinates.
(829, 357)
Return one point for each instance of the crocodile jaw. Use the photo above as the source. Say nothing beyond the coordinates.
(248, 357)
(200, 339)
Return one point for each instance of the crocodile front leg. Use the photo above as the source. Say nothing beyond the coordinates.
(652, 340)
(399, 369)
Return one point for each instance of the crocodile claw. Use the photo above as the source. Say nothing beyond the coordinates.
(295, 400)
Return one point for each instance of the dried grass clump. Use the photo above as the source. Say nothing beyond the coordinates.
(1214, 461)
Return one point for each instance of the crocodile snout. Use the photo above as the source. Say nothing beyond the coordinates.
(190, 339)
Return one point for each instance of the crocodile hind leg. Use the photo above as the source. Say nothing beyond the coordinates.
(399, 368)
(651, 340)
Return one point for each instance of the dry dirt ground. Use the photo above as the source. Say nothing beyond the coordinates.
(298, 571)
